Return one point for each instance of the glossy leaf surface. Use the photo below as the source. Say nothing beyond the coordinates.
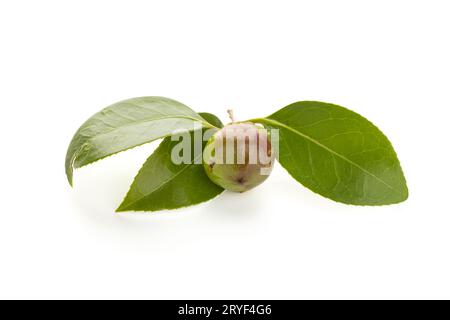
(162, 184)
(125, 125)
(338, 154)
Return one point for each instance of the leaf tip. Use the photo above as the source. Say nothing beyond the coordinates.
(124, 206)
(405, 194)
(69, 176)
(69, 168)
(121, 208)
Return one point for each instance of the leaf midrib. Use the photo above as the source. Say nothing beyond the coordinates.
(206, 124)
(89, 139)
(305, 136)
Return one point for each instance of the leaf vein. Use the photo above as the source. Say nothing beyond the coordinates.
(279, 124)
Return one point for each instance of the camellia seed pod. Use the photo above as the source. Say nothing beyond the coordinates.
(239, 157)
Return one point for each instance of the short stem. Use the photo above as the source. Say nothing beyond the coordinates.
(257, 120)
(231, 115)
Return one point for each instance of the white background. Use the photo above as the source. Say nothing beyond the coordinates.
(62, 61)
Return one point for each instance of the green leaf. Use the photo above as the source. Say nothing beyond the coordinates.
(212, 119)
(338, 154)
(125, 125)
(161, 184)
